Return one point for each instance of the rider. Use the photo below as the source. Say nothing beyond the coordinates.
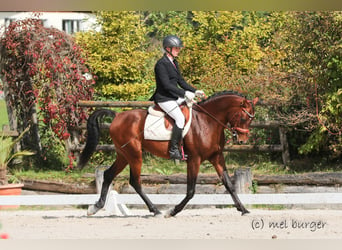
(168, 95)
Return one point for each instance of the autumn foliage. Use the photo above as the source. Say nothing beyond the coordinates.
(44, 70)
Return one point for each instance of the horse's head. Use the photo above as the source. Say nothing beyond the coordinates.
(229, 107)
(242, 119)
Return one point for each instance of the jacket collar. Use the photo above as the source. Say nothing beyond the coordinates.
(174, 63)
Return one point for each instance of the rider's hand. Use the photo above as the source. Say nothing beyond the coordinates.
(189, 95)
(199, 93)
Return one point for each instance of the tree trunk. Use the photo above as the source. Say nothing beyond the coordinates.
(11, 113)
(3, 177)
(35, 131)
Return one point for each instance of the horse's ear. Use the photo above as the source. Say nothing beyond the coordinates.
(255, 100)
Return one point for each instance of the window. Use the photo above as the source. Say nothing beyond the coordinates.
(71, 26)
(44, 22)
(8, 21)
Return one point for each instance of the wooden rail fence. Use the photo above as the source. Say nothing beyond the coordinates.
(75, 146)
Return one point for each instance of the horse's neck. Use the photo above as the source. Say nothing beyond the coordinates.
(221, 107)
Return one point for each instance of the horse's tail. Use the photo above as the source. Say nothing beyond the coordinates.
(93, 130)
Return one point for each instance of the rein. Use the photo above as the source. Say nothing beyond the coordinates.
(213, 117)
(241, 130)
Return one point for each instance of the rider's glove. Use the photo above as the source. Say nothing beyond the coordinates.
(199, 93)
(189, 95)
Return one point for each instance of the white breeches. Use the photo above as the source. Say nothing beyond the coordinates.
(173, 110)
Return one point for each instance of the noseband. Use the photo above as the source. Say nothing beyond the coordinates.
(243, 130)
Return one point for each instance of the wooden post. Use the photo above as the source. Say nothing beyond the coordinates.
(243, 180)
(285, 145)
(98, 179)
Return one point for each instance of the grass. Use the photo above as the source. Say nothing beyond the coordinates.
(3, 114)
(56, 176)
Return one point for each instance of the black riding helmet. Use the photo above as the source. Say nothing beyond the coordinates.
(172, 41)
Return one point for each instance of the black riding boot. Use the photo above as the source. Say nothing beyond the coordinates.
(175, 139)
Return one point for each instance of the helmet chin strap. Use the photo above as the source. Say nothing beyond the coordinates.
(170, 53)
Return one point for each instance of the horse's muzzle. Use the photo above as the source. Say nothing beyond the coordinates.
(239, 139)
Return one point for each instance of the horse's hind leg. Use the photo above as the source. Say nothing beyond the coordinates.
(219, 164)
(108, 176)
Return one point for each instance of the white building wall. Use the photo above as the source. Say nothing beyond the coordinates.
(87, 21)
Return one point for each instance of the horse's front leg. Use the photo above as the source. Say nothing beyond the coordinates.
(192, 172)
(230, 187)
(135, 182)
(219, 164)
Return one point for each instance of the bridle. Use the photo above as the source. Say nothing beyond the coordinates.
(232, 129)
(243, 130)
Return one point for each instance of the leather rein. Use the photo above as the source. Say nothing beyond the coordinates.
(241, 130)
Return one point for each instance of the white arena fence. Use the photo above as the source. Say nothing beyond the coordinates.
(116, 203)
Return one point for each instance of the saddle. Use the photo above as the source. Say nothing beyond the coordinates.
(168, 121)
(158, 125)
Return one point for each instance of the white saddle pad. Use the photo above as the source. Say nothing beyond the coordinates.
(155, 127)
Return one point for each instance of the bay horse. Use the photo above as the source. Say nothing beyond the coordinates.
(205, 140)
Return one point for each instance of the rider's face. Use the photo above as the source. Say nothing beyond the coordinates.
(174, 51)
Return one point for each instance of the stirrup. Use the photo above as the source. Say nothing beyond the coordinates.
(175, 155)
(181, 156)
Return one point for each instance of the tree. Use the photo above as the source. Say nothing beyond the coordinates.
(314, 63)
(44, 69)
(117, 53)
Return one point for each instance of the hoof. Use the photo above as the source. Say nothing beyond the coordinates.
(242, 209)
(92, 209)
(245, 212)
(158, 215)
(168, 214)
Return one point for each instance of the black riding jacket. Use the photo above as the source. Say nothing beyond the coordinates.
(168, 78)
